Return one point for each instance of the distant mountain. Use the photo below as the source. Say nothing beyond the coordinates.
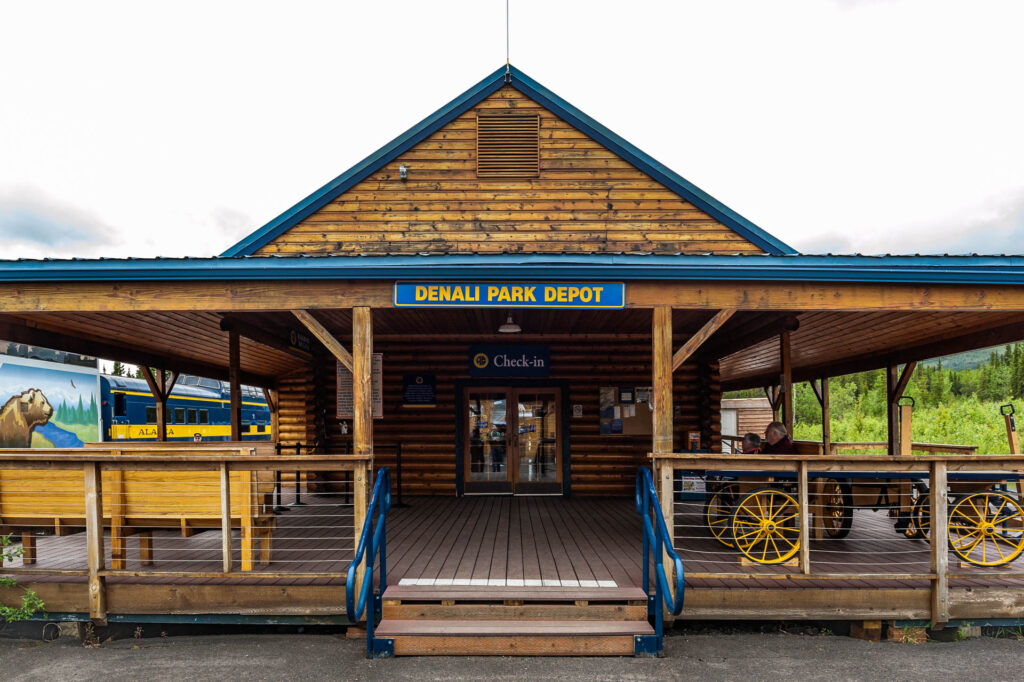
(968, 360)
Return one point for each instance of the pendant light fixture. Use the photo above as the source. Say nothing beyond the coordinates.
(509, 327)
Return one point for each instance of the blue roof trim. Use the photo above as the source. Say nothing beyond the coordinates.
(386, 154)
(458, 106)
(1001, 270)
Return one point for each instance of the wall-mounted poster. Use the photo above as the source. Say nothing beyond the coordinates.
(346, 409)
(47, 398)
(419, 390)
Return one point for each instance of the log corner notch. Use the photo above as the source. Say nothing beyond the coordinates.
(161, 383)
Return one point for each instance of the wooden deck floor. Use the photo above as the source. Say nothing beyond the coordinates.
(522, 542)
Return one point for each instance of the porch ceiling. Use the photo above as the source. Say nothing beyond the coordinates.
(192, 342)
(833, 343)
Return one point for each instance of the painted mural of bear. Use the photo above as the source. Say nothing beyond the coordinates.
(20, 415)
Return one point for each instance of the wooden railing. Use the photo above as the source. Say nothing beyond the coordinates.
(949, 478)
(132, 488)
(807, 446)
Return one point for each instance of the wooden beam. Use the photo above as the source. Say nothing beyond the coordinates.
(786, 380)
(362, 381)
(702, 335)
(272, 398)
(939, 546)
(661, 379)
(326, 338)
(270, 337)
(826, 417)
(235, 359)
(901, 384)
(156, 388)
(94, 542)
(747, 337)
(895, 385)
(16, 332)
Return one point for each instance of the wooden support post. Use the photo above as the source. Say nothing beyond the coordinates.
(906, 441)
(225, 516)
(247, 520)
(234, 368)
(360, 501)
(940, 551)
(146, 548)
(160, 385)
(895, 385)
(786, 380)
(662, 427)
(118, 530)
(94, 542)
(271, 397)
(805, 536)
(28, 548)
(362, 420)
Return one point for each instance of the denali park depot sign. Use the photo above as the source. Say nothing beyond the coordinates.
(510, 294)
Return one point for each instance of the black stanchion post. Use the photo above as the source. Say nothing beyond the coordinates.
(398, 475)
(298, 479)
(278, 504)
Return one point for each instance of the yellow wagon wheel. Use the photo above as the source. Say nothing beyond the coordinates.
(987, 528)
(718, 509)
(765, 526)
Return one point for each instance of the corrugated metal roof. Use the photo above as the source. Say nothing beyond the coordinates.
(1008, 270)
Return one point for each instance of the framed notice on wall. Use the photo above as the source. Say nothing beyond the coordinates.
(346, 409)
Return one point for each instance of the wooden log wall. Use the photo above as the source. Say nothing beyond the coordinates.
(297, 400)
(585, 200)
(600, 464)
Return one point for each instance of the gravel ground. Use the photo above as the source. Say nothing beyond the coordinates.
(692, 656)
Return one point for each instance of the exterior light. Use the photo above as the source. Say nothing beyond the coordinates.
(509, 327)
(403, 172)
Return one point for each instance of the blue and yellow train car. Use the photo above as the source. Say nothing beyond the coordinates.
(196, 405)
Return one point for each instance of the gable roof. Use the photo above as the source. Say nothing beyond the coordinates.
(492, 83)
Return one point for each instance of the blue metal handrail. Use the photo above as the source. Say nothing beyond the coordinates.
(370, 546)
(658, 540)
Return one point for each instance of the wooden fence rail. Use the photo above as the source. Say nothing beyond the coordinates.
(810, 446)
(149, 485)
(958, 475)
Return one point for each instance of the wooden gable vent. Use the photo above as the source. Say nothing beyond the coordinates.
(508, 145)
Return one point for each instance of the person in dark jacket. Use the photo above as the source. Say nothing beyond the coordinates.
(777, 440)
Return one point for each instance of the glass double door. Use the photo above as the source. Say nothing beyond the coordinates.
(513, 440)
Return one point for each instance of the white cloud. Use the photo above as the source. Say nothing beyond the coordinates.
(176, 129)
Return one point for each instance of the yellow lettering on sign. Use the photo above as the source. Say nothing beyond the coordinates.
(445, 293)
(530, 295)
(574, 293)
(432, 293)
(476, 294)
(549, 294)
(586, 294)
(597, 294)
(517, 294)
(492, 294)
(421, 293)
(503, 295)
(458, 294)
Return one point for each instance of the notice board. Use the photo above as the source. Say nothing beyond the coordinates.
(626, 410)
(346, 408)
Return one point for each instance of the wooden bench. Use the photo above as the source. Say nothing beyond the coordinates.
(137, 501)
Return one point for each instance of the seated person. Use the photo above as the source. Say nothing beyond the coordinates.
(751, 444)
(777, 440)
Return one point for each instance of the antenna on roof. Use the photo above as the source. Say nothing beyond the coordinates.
(508, 67)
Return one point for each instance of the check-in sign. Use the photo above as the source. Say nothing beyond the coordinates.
(510, 294)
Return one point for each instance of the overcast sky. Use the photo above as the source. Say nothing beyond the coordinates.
(173, 129)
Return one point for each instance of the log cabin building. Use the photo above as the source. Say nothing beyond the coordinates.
(513, 310)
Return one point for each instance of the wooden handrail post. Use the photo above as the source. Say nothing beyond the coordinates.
(940, 553)
(805, 536)
(94, 541)
(225, 515)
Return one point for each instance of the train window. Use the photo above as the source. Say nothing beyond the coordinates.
(260, 428)
(193, 417)
(151, 415)
(168, 416)
(204, 416)
(179, 415)
(120, 405)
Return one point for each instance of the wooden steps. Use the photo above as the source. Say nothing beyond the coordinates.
(482, 621)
